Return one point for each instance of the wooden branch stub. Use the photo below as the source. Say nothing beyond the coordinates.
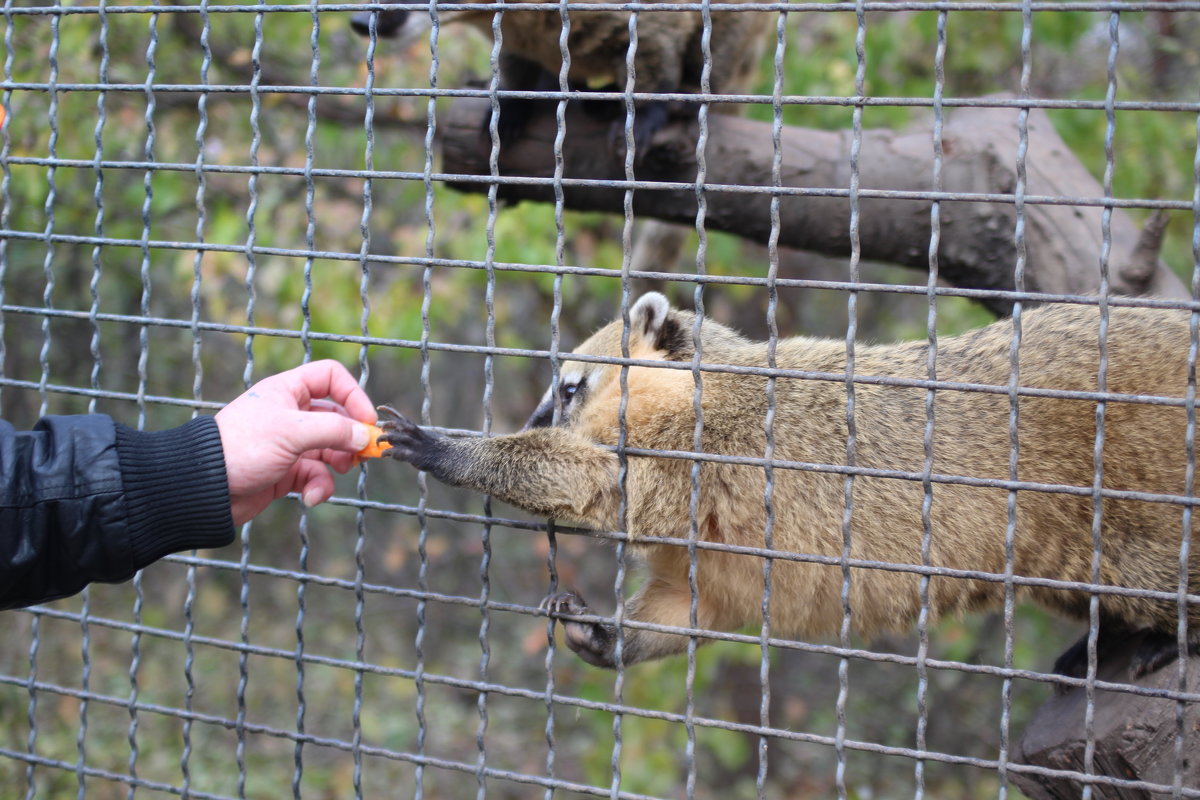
(1142, 262)
(1135, 735)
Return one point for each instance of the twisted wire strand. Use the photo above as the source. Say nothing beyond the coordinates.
(48, 316)
(851, 428)
(935, 230)
(360, 538)
(5, 183)
(44, 363)
(426, 397)
(697, 398)
(189, 603)
(764, 667)
(1184, 637)
(485, 588)
(560, 259)
(1093, 635)
(1014, 373)
(94, 348)
(621, 555)
(310, 232)
(247, 376)
(142, 377)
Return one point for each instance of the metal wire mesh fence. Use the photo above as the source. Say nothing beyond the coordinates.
(195, 196)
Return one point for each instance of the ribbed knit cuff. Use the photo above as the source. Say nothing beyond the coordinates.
(176, 492)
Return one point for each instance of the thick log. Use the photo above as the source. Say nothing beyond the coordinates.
(977, 250)
(1135, 736)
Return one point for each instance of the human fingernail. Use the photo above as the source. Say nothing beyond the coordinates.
(311, 497)
(361, 436)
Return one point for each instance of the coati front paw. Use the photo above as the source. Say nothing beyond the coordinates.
(409, 441)
(592, 641)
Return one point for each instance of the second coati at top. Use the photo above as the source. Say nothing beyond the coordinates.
(669, 56)
(569, 471)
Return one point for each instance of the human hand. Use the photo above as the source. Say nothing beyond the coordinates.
(286, 432)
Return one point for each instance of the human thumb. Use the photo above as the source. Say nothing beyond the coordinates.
(318, 430)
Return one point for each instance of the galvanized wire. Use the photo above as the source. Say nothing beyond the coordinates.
(142, 365)
(577, 94)
(189, 603)
(44, 363)
(1183, 635)
(247, 378)
(693, 533)
(623, 407)
(1010, 531)
(935, 231)
(560, 259)
(5, 184)
(764, 667)
(552, 695)
(360, 527)
(94, 346)
(1093, 635)
(426, 402)
(576, 702)
(847, 529)
(696, 5)
(872, 656)
(310, 232)
(488, 387)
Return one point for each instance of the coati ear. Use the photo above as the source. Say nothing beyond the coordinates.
(650, 320)
(648, 314)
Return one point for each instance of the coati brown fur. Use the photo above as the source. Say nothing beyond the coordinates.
(569, 472)
(669, 56)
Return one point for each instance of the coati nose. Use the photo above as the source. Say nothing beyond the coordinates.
(386, 26)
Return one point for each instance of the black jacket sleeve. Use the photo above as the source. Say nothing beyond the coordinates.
(85, 499)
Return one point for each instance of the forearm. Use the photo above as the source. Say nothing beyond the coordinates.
(548, 471)
(83, 499)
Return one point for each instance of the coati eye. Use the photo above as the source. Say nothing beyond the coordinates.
(568, 390)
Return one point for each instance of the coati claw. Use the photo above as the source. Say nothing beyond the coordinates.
(409, 441)
(592, 641)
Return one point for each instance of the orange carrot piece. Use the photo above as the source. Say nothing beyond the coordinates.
(375, 449)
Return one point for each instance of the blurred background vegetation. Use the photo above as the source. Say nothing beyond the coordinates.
(135, 188)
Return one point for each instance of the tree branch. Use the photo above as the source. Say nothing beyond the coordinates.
(1134, 735)
(977, 249)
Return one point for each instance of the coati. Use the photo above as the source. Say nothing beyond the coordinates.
(569, 471)
(669, 56)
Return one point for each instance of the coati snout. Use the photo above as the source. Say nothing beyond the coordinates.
(569, 471)
(388, 23)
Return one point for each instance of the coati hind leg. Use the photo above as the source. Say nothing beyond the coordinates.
(1157, 649)
(553, 472)
(1154, 650)
(658, 602)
